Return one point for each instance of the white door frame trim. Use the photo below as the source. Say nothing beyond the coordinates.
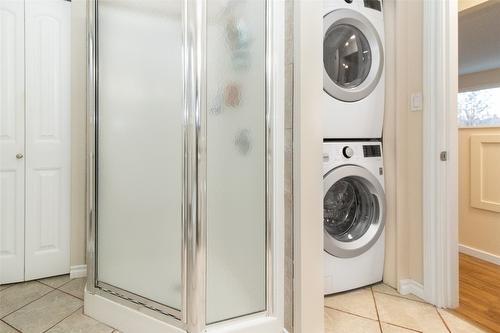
(440, 178)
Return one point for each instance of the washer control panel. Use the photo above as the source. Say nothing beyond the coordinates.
(373, 4)
(372, 150)
(352, 151)
(366, 154)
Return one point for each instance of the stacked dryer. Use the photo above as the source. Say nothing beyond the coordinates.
(353, 113)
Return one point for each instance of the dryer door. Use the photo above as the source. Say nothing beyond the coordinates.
(352, 55)
(353, 208)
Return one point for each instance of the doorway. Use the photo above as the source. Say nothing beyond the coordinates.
(478, 115)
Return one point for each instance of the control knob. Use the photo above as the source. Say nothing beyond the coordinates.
(347, 152)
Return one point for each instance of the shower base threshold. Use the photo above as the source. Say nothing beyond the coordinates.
(140, 319)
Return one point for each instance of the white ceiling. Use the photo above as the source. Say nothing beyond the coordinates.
(479, 38)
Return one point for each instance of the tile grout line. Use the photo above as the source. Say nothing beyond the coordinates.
(403, 327)
(72, 313)
(401, 296)
(53, 289)
(65, 292)
(356, 315)
(45, 284)
(62, 285)
(8, 314)
(376, 310)
(6, 323)
(350, 313)
(442, 319)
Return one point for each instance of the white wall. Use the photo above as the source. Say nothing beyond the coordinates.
(78, 127)
(389, 141)
(308, 199)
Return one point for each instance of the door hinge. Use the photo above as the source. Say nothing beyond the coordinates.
(443, 156)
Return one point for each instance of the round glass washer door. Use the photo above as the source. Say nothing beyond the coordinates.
(353, 211)
(352, 55)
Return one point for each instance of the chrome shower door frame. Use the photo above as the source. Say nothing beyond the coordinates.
(173, 316)
(192, 315)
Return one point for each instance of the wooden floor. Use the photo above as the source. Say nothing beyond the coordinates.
(480, 292)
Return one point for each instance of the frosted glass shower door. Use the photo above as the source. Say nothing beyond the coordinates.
(236, 158)
(139, 148)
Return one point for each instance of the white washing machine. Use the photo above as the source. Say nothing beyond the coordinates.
(353, 69)
(354, 214)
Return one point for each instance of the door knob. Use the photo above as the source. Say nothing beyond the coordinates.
(19, 156)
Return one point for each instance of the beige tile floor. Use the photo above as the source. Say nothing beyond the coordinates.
(53, 305)
(381, 309)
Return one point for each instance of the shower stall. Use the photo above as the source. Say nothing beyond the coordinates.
(184, 165)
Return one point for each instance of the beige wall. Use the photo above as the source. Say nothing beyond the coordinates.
(408, 140)
(403, 142)
(479, 228)
(411, 147)
(78, 107)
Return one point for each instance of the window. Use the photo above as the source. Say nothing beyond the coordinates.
(479, 108)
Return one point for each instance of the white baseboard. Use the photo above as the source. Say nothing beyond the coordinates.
(480, 254)
(408, 286)
(78, 271)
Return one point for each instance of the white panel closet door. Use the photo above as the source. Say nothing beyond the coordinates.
(47, 24)
(11, 141)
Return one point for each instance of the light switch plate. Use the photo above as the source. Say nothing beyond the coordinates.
(416, 102)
